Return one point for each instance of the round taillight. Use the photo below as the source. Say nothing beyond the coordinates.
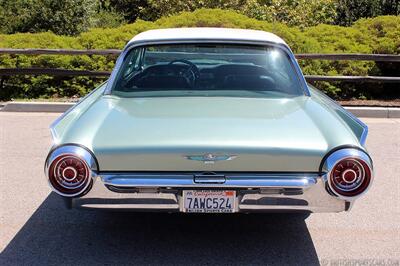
(69, 174)
(69, 170)
(350, 177)
(347, 173)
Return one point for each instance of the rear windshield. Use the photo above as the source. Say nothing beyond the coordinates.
(206, 70)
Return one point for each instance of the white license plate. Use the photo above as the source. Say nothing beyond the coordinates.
(211, 201)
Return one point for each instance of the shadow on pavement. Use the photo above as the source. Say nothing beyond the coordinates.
(55, 235)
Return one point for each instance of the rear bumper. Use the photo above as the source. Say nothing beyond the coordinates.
(255, 192)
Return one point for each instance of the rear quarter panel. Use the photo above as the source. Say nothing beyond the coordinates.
(359, 129)
(61, 124)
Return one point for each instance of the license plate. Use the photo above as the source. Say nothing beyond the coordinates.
(209, 201)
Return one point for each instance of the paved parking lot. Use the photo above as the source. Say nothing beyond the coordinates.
(36, 229)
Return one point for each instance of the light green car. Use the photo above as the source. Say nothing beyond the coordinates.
(208, 120)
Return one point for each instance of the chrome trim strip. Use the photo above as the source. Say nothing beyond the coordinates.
(135, 44)
(209, 179)
(125, 206)
(54, 135)
(363, 138)
(231, 180)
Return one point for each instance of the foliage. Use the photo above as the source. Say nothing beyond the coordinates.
(61, 17)
(130, 9)
(107, 19)
(75, 16)
(302, 13)
(159, 8)
(292, 12)
(377, 35)
(349, 11)
(352, 10)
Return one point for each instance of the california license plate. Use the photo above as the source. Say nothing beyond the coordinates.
(209, 201)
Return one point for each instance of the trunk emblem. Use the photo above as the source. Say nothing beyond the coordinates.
(210, 158)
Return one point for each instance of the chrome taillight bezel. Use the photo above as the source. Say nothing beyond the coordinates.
(80, 153)
(349, 154)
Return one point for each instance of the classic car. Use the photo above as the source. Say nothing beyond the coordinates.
(208, 120)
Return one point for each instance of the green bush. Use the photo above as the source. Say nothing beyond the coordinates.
(377, 35)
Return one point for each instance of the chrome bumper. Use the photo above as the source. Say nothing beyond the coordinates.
(255, 192)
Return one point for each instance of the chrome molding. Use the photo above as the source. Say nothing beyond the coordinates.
(339, 155)
(189, 180)
(363, 138)
(73, 150)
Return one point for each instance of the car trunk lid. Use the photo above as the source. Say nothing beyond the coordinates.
(209, 134)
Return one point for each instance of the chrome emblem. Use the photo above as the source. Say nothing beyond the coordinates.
(210, 158)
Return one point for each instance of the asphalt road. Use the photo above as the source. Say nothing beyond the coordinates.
(36, 229)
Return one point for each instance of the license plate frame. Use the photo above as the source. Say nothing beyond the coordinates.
(209, 201)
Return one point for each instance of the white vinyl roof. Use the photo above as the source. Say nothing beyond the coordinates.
(220, 34)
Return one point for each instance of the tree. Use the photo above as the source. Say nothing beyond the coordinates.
(154, 9)
(129, 9)
(349, 11)
(390, 7)
(301, 13)
(61, 17)
(292, 12)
